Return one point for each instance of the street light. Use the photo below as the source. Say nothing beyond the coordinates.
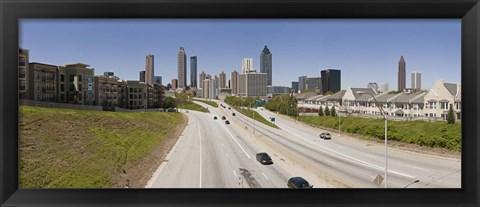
(385, 118)
(253, 112)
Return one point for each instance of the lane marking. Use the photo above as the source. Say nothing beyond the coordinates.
(200, 135)
(226, 155)
(236, 142)
(234, 173)
(264, 175)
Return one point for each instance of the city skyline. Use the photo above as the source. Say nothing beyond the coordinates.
(301, 47)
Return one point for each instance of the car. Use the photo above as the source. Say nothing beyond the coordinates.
(227, 122)
(229, 108)
(215, 118)
(233, 114)
(171, 110)
(224, 118)
(298, 182)
(263, 158)
(325, 135)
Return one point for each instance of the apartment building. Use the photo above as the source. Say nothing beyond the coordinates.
(136, 93)
(42, 82)
(441, 97)
(76, 84)
(107, 91)
(23, 77)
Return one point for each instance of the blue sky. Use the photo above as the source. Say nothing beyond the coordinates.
(365, 50)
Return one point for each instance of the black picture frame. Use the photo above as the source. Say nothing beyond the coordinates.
(466, 10)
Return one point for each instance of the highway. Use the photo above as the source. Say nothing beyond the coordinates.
(211, 154)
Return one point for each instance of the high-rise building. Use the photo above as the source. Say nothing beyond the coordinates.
(242, 84)
(256, 85)
(383, 88)
(23, 75)
(374, 86)
(416, 80)
(157, 80)
(313, 84)
(247, 65)
(149, 69)
(216, 81)
(174, 84)
(108, 74)
(295, 86)
(202, 77)
(209, 89)
(222, 80)
(401, 74)
(331, 80)
(193, 72)
(302, 82)
(266, 64)
(234, 82)
(142, 76)
(182, 68)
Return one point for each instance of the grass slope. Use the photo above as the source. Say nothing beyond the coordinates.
(63, 148)
(211, 103)
(258, 117)
(193, 106)
(431, 134)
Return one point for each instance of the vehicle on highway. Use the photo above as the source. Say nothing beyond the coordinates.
(325, 135)
(264, 158)
(233, 114)
(224, 118)
(227, 122)
(171, 110)
(298, 182)
(229, 108)
(215, 118)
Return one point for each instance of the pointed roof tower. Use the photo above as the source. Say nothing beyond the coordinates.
(401, 59)
(266, 50)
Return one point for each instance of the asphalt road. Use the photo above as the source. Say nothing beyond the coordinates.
(211, 154)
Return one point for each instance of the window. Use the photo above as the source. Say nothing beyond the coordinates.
(22, 62)
(62, 87)
(131, 90)
(21, 74)
(131, 96)
(62, 97)
(21, 85)
(80, 78)
(80, 88)
(37, 75)
(62, 77)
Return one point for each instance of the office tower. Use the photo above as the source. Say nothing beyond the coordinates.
(242, 84)
(276, 90)
(193, 72)
(247, 65)
(302, 81)
(295, 86)
(157, 80)
(108, 74)
(222, 80)
(374, 86)
(202, 77)
(401, 74)
(142, 76)
(416, 80)
(174, 84)
(256, 85)
(234, 82)
(314, 84)
(23, 61)
(212, 89)
(216, 81)
(149, 69)
(266, 64)
(43, 82)
(331, 80)
(383, 88)
(182, 68)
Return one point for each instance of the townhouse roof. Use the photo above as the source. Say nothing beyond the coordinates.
(37, 63)
(385, 97)
(420, 98)
(314, 98)
(336, 96)
(302, 96)
(364, 98)
(366, 90)
(451, 88)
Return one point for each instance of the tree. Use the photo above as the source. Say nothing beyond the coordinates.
(169, 102)
(320, 111)
(451, 115)
(333, 112)
(327, 111)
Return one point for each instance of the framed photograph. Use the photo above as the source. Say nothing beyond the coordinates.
(200, 103)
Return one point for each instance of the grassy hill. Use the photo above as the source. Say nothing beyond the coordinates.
(63, 148)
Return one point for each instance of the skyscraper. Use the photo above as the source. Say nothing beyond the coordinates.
(247, 65)
(182, 68)
(222, 80)
(295, 86)
(193, 71)
(266, 64)
(302, 82)
(202, 77)
(142, 76)
(331, 81)
(416, 80)
(256, 84)
(401, 74)
(216, 81)
(149, 69)
(234, 82)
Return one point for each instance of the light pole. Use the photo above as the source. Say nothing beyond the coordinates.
(253, 112)
(384, 118)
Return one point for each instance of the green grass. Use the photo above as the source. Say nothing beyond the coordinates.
(258, 117)
(431, 134)
(194, 107)
(211, 103)
(63, 148)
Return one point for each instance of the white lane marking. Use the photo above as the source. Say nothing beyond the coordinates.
(264, 175)
(348, 158)
(200, 135)
(226, 155)
(234, 173)
(237, 142)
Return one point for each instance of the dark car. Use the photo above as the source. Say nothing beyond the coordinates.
(229, 108)
(227, 122)
(264, 158)
(298, 182)
(224, 118)
(325, 135)
(233, 114)
(215, 118)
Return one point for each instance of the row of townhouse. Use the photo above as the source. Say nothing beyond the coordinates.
(434, 103)
(77, 84)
